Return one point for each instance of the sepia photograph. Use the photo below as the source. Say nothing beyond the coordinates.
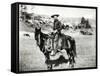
(56, 37)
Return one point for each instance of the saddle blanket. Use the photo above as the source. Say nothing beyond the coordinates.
(59, 54)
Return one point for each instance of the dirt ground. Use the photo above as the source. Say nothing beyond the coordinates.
(31, 58)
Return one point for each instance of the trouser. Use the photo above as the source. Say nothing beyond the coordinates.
(56, 42)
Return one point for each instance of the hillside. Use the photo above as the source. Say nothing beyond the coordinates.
(25, 27)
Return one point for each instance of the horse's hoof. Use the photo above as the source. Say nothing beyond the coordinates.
(72, 66)
(49, 67)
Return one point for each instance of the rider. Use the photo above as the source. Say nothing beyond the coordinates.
(56, 32)
(56, 23)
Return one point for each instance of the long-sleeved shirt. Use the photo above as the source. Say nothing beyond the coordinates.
(57, 25)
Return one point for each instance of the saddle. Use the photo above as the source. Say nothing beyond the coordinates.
(58, 42)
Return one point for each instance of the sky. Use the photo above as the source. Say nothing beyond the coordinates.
(63, 11)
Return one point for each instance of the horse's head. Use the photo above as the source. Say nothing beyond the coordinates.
(48, 44)
(38, 35)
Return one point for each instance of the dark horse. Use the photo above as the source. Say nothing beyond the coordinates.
(44, 41)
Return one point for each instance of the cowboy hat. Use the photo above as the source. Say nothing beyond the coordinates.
(55, 15)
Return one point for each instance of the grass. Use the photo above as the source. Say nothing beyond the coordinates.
(31, 58)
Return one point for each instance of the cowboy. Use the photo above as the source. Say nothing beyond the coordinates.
(56, 32)
(56, 23)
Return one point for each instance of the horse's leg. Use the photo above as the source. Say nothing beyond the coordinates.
(70, 57)
(49, 66)
(71, 64)
(67, 51)
(73, 44)
(72, 60)
(72, 52)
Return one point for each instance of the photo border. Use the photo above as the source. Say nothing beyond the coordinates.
(55, 5)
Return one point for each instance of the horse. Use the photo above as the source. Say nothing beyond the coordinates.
(45, 43)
